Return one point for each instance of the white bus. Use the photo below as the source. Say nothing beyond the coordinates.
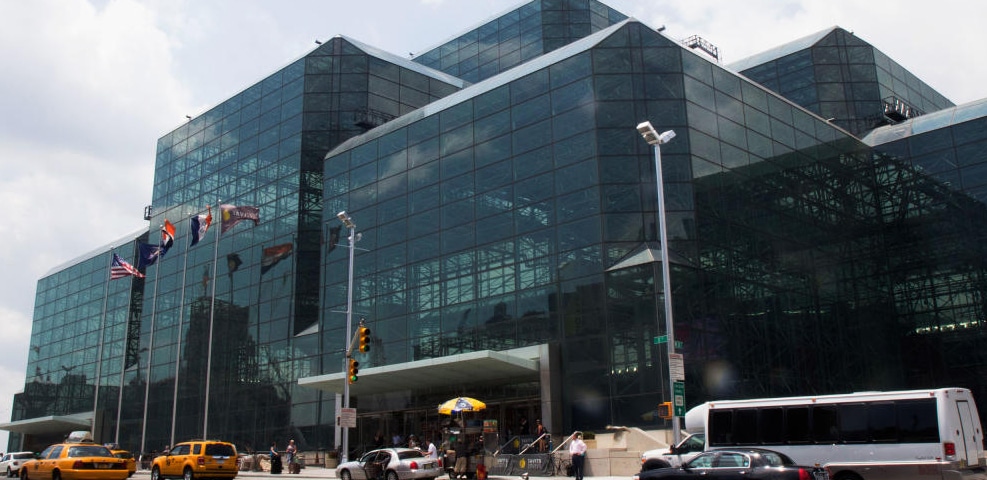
(916, 434)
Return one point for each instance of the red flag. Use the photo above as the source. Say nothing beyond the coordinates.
(273, 255)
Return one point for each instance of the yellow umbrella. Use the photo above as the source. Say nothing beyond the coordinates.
(461, 404)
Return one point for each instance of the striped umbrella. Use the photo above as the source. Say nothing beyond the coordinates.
(460, 405)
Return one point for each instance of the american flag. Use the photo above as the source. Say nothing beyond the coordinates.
(120, 268)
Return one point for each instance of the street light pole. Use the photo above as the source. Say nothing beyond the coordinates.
(348, 222)
(655, 139)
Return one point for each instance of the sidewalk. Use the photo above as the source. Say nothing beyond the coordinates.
(322, 473)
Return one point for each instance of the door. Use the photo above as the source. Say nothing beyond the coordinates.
(969, 451)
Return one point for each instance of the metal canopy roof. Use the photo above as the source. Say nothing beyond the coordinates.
(50, 424)
(452, 370)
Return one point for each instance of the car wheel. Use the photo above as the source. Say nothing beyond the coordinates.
(9, 473)
(345, 475)
(23, 473)
(187, 474)
(155, 473)
(56, 475)
(392, 475)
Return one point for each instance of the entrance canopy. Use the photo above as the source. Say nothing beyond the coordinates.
(465, 368)
(50, 424)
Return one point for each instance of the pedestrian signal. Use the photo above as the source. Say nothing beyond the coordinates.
(353, 371)
(364, 340)
(665, 410)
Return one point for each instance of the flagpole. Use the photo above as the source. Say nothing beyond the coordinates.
(123, 366)
(178, 349)
(212, 314)
(99, 354)
(150, 351)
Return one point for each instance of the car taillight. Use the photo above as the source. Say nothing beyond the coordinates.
(414, 465)
(201, 461)
(949, 448)
(804, 474)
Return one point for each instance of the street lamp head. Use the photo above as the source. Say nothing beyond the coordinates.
(345, 218)
(652, 136)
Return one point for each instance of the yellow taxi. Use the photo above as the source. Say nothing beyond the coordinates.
(78, 458)
(197, 458)
(129, 457)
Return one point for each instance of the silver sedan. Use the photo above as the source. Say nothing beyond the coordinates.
(390, 464)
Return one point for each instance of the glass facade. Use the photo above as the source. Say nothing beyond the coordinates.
(86, 327)
(518, 215)
(515, 37)
(846, 80)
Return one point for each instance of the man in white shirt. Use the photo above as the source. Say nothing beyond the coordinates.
(577, 450)
(432, 452)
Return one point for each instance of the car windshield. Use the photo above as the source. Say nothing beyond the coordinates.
(219, 450)
(410, 454)
(89, 451)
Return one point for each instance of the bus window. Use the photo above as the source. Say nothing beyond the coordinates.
(745, 426)
(797, 425)
(772, 425)
(825, 428)
(853, 423)
(917, 421)
(883, 422)
(721, 427)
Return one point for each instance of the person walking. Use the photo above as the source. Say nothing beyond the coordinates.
(539, 431)
(275, 459)
(289, 454)
(577, 450)
(431, 451)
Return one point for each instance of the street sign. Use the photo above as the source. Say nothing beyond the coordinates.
(663, 339)
(676, 366)
(678, 398)
(347, 418)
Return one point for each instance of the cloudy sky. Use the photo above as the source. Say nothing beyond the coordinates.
(88, 86)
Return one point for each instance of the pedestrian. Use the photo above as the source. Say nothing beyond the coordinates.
(577, 450)
(431, 451)
(378, 440)
(396, 440)
(523, 426)
(413, 442)
(540, 431)
(289, 454)
(275, 459)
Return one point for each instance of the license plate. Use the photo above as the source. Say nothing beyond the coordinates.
(104, 465)
(428, 465)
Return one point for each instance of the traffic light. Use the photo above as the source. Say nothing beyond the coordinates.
(665, 410)
(364, 341)
(353, 371)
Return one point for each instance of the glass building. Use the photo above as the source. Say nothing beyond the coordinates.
(825, 215)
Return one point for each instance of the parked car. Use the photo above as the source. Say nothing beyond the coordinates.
(674, 455)
(391, 464)
(129, 457)
(197, 459)
(11, 462)
(78, 458)
(736, 464)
